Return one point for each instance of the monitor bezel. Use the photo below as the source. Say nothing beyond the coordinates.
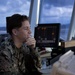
(57, 37)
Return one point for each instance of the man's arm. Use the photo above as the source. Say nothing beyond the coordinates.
(36, 57)
(31, 43)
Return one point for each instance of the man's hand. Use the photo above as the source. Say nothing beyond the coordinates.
(31, 42)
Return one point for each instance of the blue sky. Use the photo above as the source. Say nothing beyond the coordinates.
(52, 11)
(9, 7)
(59, 2)
(57, 11)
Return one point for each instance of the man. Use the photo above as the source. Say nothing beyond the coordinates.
(17, 53)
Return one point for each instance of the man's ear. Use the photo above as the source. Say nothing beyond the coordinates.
(14, 31)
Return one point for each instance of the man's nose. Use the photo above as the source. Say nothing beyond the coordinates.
(30, 31)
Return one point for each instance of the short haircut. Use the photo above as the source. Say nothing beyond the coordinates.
(15, 21)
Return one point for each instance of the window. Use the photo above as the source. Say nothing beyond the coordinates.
(57, 11)
(9, 7)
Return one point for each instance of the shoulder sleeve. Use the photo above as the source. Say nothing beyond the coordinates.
(5, 62)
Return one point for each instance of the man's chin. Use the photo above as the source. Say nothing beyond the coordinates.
(25, 40)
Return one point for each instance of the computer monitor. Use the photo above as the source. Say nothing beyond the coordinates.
(47, 35)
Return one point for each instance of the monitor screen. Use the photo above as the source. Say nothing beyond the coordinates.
(47, 35)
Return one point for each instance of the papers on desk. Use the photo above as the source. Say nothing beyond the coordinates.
(65, 65)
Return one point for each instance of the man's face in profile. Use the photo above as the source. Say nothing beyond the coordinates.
(24, 32)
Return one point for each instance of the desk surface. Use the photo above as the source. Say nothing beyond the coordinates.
(46, 71)
(45, 55)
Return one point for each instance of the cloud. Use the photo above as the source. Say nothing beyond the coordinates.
(3, 9)
(9, 7)
(15, 6)
(56, 14)
(58, 11)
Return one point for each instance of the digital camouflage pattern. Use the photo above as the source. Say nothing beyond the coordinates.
(16, 61)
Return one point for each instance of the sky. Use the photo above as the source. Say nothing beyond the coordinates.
(57, 11)
(59, 2)
(9, 7)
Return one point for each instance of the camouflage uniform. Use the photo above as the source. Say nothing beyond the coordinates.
(17, 61)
